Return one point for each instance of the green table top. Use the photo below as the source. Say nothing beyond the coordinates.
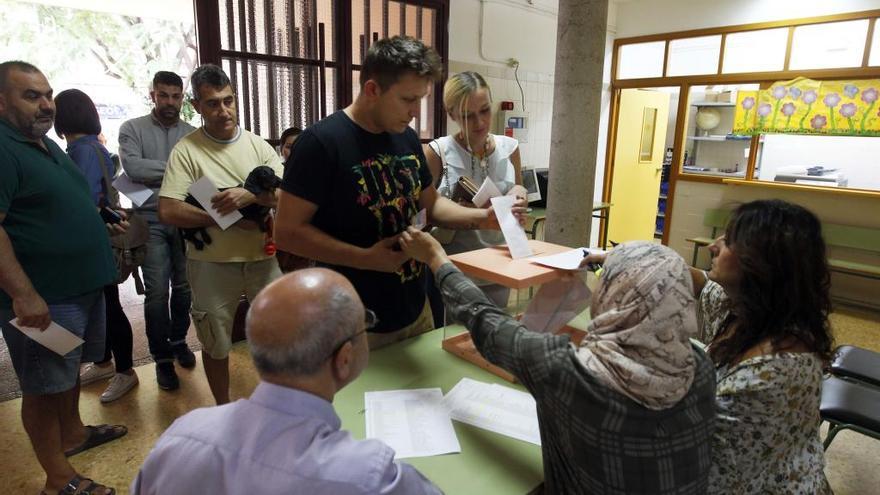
(488, 463)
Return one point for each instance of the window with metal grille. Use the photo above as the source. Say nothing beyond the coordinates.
(293, 62)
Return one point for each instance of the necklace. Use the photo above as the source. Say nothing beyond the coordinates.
(483, 161)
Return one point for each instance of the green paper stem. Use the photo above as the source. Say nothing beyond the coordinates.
(807, 114)
(867, 112)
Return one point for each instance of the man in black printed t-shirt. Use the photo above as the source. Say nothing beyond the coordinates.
(355, 179)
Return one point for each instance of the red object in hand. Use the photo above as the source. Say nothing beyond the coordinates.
(269, 248)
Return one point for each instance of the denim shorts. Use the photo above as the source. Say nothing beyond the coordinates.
(41, 371)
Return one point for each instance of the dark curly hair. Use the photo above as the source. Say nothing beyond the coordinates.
(784, 287)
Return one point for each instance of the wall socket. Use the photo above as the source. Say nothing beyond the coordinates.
(512, 62)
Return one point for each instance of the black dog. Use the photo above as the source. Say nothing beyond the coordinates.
(261, 180)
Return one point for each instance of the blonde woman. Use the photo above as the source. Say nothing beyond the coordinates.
(475, 153)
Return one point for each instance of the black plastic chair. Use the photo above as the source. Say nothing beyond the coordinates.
(854, 363)
(849, 405)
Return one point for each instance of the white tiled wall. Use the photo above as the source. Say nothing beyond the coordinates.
(537, 87)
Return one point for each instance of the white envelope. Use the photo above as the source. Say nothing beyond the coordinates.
(137, 193)
(487, 191)
(203, 190)
(514, 235)
(55, 338)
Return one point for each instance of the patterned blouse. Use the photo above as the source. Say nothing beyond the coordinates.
(766, 437)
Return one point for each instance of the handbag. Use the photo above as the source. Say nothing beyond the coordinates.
(129, 248)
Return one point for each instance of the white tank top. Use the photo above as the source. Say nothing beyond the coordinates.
(457, 163)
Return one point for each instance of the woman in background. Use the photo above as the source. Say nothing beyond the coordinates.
(763, 310)
(475, 153)
(289, 262)
(286, 142)
(77, 122)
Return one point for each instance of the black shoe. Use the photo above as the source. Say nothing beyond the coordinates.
(166, 377)
(184, 356)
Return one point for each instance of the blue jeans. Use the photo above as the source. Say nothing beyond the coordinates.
(165, 273)
(41, 371)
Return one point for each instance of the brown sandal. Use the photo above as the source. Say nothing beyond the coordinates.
(72, 487)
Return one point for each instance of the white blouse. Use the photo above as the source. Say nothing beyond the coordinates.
(456, 162)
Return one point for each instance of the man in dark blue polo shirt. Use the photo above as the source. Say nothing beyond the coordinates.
(55, 258)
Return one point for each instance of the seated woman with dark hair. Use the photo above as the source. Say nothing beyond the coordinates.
(630, 409)
(763, 311)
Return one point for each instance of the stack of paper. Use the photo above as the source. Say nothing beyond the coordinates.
(413, 422)
(495, 408)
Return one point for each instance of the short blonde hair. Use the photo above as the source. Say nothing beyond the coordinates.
(458, 90)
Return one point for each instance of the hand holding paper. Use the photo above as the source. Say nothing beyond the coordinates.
(513, 232)
(55, 338)
(203, 190)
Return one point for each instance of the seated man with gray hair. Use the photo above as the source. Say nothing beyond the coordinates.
(307, 337)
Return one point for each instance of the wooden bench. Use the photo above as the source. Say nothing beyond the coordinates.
(861, 238)
(716, 219)
(835, 235)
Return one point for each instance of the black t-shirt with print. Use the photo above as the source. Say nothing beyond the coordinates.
(367, 187)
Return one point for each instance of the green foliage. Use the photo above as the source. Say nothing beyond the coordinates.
(130, 49)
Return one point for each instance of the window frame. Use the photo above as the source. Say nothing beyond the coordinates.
(208, 32)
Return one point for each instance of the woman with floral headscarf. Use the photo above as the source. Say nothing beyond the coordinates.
(630, 409)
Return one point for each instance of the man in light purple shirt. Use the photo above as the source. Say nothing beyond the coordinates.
(307, 337)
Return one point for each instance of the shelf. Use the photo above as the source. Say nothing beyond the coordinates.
(663, 196)
(658, 233)
(713, 104)
(720, 138)
(840, 191)
(716, 173)
(661, 215)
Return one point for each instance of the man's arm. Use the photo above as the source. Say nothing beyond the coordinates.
(448, 214)
(30, 309)
(131, 153)
(295, 233)
(181, 214)
(401, 478)
(500, 338)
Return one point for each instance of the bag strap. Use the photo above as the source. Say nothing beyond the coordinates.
(106, 182)
(442, 156)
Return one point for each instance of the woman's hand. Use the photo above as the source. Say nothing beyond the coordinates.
(593, 259)
(423, 247)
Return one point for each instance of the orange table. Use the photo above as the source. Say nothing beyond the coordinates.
(495, 265)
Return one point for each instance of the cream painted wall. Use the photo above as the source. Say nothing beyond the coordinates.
(516, 29)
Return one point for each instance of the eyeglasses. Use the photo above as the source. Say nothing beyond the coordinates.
(370, 322)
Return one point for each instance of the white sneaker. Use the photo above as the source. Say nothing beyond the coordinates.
(92, 372)
(119, 385)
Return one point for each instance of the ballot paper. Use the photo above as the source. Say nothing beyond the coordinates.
(487, 191)
(567, 260)
(420, 219)
(514, 235)
(555, 304)
(55, 338)
(496, 408)
(203, 190)
(137, 193)
(413, 422)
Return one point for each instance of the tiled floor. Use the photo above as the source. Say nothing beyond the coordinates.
(853, 461)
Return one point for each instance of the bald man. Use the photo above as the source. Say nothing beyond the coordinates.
(307, 335)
